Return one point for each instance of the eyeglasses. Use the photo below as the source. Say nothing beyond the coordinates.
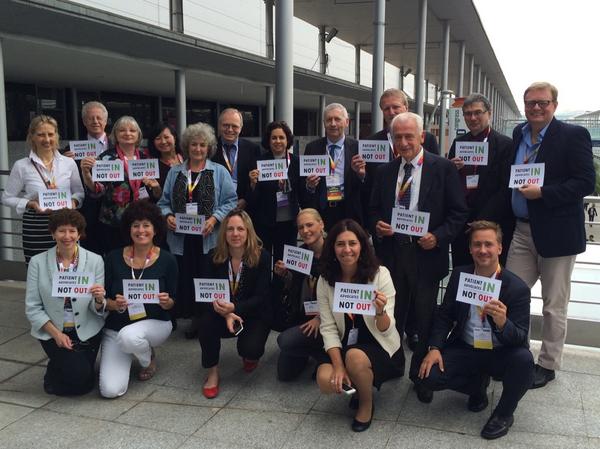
(543, 104)
(227, 125)
(478, 113)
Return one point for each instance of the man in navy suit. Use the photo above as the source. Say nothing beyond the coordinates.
(468, 343)
(423, 182)
(237, 155)
(550, 229)
(338, 195)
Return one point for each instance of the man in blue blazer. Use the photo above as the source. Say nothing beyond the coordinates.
(424, 182)
(468, 343)
(550, 231)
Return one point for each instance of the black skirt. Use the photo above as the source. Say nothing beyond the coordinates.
(36, 236)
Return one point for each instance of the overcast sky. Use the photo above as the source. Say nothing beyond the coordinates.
(550, 40)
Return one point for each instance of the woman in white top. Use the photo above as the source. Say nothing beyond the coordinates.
(44, 169)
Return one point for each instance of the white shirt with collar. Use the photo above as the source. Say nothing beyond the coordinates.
(415, 184)
(24, 176)
(102, 141)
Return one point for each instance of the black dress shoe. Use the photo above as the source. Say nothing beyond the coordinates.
(477, 402)
(424, 394)
(412, 341)
(542, 376)
(497, 427)
(359, 426)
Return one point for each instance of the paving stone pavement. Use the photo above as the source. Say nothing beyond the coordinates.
(256, 411)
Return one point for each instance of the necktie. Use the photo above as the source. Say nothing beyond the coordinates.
(332, 149)
(404, 199)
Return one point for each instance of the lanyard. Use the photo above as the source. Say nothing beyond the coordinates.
(134, 185)
(50, 183)
(332, 163)
(532, 154)
(146, 262)
(230, 165)
(496, 275)
(191, 187)
(351, 316)
(72, 265)
(234, 278)
(404, 187)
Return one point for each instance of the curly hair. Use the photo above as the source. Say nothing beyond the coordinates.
(144, 210)
(368, 264)
(157, 131)
(253, 242)
(280, 124)
(202, 131)
(69, 217)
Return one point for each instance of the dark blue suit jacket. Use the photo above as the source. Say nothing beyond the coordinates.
(557, 219)
(440, 194)
(452, 315)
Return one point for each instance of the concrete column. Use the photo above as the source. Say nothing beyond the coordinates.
(321, 126)
(159, 107)
(284, 65)
(420, 94)
(471, 73)
(426, 97)
(180, 106)
(5, 225)
(478, 78)
(401, 86)
(357, 120)
(357, 64)
(176, 11)
(445, 64)
(461, 69)
(483, 84)
(74, 113)
(270, 47)
(378, 62)
(270, 102)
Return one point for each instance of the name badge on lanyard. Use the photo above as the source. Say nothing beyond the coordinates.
(482, 338)
(143, 193)
(472, 181)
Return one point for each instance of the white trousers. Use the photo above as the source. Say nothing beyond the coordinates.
(119, 349)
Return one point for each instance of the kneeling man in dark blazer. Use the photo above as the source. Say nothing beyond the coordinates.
(468, 343)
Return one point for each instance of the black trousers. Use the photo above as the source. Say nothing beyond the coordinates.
(71, 372)
(250, 342)
(464, 366)
(415, 293)
(296, 348)
(274, 237)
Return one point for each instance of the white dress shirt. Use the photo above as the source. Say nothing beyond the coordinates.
(24, 176)
(415, 184)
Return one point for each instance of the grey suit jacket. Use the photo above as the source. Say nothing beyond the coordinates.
(41, 306)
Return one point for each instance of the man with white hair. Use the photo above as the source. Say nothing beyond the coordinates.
(421, 182)
(337, 195)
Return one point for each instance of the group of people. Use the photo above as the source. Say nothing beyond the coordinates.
(346, 220)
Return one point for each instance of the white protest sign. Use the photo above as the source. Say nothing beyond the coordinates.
(84, 148)
(142, 168)
(141, 291)
(524, 174)
(410, 222)
(297, 259)
(55, 199)
(314, 165)
(271, 170)
(473, 153)
(209, 290)
(477, 290)
(354, 298)
(374, 150)
(72, 284)
(189, 224)
(110, 171)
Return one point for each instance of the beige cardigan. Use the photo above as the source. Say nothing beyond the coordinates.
(333, 325)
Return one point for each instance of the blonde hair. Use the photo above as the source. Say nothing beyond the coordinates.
(312, 212)
(543, 85)
(253, 246)
(120, 123)
(33, 126)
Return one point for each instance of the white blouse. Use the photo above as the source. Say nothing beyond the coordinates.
(24, 176)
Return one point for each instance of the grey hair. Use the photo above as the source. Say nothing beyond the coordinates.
(123, 121)
(407, 116)
(235, 111)
(476, 97)
(91, 105)
(202, 131)
(332, 106)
